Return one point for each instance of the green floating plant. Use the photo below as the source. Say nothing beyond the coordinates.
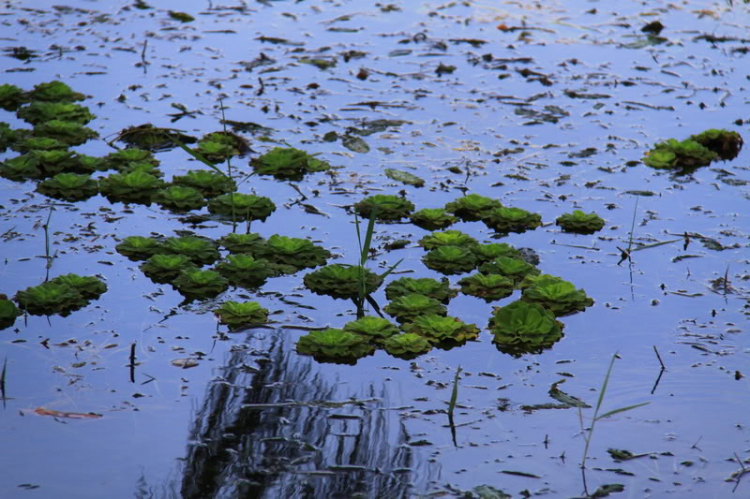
(139, 247)
(408, 307)
(489, 287)
(673, 154)
(200, 250)
(179, 198)
(432, 218)
(580, 222)
(8, 313)
(123, 158)
(141, 167)
(55, 161)
(723, 142)
(196, 283)
(238, 207)
(217, 147)
(40, 112)
(287, 163)
(210, 183)
(488, 252)
(450, 260)
(11, 97)
(293, 251)
(504, 220)
(404, 177)
(162, 268)
(514, 269)
(21, 168)
(443, 330)
(427, 286)
(130, 187)
(386, 207)
(473, 207)
(50, 298)
(88, 164)
(246, 271)
(334, 345)
(407, 345)
(8, 137)
(69, 187)
(30, 143)
(447, 238)
(522, 327)
(87, 286)
(73, 134)
(375, 329)
(237, 314)
(152, 138)
(54, 91)
(557, 295)
(242, 243)
(342, 281)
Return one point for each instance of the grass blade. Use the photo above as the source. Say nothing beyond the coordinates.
(621, 409)
(198, 156)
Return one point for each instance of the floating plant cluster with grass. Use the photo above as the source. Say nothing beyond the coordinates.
(344, 282)
(699, 150)
(217, 147)
(241, 207)
(417, 305)
(288, 163)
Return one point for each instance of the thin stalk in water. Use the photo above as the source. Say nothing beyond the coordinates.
(588, 434)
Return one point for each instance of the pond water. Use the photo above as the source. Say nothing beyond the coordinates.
(545, 106)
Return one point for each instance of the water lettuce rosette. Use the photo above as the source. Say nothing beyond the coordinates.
(334, 345)
(523, 327)
(342, 281)
(427, 286)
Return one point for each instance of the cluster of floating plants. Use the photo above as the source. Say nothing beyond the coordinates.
(288, 163)
(217, 147)
(60, 295)
(580, 222)
(252, 260)
(699, 150)
(418, 305)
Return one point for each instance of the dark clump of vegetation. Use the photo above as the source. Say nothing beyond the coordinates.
(384, 207)
(287, 163)
(580, 222)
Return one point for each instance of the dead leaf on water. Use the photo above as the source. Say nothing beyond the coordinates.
(69, 415)
(185, 363)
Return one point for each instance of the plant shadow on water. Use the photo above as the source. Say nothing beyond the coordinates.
(495, 154)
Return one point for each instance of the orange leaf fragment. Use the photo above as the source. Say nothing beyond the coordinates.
(69, 415)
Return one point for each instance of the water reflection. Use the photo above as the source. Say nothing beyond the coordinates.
(276, 425)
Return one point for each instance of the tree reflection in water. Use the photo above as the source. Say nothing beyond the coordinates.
(277, 426)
